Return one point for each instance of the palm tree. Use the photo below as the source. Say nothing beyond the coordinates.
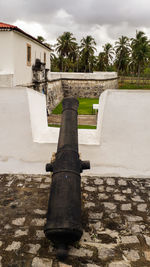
(140, 51)
(41, 39)
(87, 52)
(122, 49)
(109, 52)
(101, 64)
(74, 56)
(66, 46)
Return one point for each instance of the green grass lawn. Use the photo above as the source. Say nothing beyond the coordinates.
(134, 86)
(85, 106)
(79, 126)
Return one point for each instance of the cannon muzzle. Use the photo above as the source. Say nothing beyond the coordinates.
(63, 226)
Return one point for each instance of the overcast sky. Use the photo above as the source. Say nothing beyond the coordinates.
(105, 20)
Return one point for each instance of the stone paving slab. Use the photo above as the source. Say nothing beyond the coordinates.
(115, 216)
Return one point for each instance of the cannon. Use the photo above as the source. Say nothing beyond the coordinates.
(63, 226)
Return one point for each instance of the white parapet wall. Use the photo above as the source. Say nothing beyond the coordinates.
(6, 80)
(99, 75)
(120, 146)
(26, 141)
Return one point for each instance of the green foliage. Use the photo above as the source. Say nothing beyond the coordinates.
(134, 86)
(85, 106)
(101, 64)
(67, 50)
(147, 72)
(140, 52)
(129, 56)
(87, 53)
(122, 50)
(108, 55)
(41, 39)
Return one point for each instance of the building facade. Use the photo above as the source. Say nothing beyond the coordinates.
(18, 53)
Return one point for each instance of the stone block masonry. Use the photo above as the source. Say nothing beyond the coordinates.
(87, 88)
(83, 85)
(115, 217)
(54, 94)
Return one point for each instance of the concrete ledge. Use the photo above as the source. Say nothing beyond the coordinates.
(83, 76)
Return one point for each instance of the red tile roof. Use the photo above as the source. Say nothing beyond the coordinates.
(5, 26)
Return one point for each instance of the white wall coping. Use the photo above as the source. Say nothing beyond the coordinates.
(83, 76)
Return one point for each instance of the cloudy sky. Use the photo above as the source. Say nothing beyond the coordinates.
(105, 20)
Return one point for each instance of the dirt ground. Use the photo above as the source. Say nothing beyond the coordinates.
(82, 119)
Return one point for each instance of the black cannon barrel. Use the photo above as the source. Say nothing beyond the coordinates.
(63, 225)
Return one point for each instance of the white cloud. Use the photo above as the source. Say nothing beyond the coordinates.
(33, 28)
(105, 20)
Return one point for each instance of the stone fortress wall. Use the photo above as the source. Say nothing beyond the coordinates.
(78, 85)
(54, 94)
(57, 85)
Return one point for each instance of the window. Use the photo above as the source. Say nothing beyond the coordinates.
(28, 55)
(44, 57)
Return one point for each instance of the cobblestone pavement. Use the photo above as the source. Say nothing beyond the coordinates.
(116, 222)
(82, 119)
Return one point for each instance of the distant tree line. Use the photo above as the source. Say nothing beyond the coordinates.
(129, 56)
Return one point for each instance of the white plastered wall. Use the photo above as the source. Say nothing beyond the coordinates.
(6, 53)
(23, 73)
(26, 141)
(19, 152)
(124, 135)
(119, 147)
(13, 58)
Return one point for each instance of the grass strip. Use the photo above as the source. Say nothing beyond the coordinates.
(134, 86)
(79, 126)
(85, 106)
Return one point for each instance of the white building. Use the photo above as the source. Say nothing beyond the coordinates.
(18, 53)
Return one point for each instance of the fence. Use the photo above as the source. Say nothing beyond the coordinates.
(134, 80)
